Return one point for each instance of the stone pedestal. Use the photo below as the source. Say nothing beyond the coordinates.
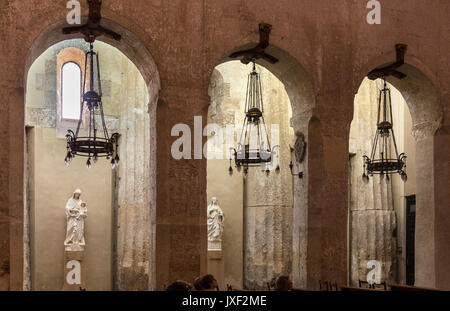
(216, 267)
(214, 245)
(74, 271)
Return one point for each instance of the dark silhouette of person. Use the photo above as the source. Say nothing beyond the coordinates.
(179, 286)
(283, 283)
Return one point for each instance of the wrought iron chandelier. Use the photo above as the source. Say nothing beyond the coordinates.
(254, 146)
(98, 143)
(380, 160)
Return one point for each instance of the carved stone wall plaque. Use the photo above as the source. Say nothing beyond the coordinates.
(300, 147)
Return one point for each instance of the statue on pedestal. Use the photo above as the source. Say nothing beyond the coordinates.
(215, 225)
(76, 213)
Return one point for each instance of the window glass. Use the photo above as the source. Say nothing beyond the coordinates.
(71, 91)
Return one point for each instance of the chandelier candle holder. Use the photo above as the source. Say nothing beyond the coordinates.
(254, 146)
(98, 143)
(380, 160)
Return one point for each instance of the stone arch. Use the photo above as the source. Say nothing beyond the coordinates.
(423, 101)
(130, 45)
(424, 104)
(299, 87)
(297, 81)
(418, 87)
(135, 49)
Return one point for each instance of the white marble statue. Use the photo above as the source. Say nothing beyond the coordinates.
(76, 212)
(215, 225)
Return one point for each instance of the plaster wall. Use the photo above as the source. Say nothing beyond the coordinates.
(53, 185)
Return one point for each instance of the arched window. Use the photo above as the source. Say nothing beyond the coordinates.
(71, 91)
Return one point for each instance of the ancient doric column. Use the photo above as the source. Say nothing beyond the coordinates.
(268, 201)
(373, 220)
(373, 231)
(133, 185)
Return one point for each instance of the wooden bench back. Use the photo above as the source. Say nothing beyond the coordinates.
(327, 286)
(407, 288)
(365, 284)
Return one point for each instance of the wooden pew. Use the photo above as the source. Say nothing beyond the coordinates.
(230, 288)
(299, 290)
(365, 284)
(328, 286)
(408, 288)
(360, 289)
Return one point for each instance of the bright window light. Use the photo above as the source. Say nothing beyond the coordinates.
(71, 91)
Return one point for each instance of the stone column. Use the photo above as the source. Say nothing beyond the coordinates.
(11, 192)
(133, 185)
(300, 213)
(442, 199)
(268, 201)
(181, 231)
(267, 238)
(429, 241)
(373, 230)
(373, 221)
(327, 214)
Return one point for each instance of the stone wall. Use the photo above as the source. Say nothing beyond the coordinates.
(334, 45)
(52, 185)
